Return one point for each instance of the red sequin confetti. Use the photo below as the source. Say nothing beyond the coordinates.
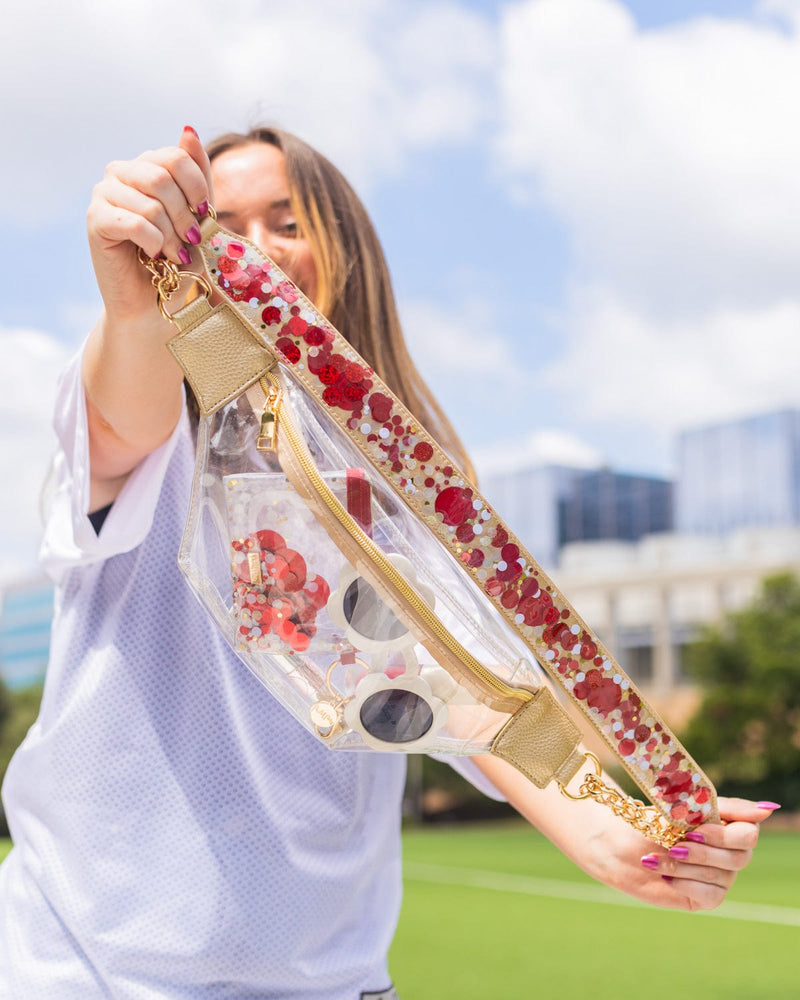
(455, 505)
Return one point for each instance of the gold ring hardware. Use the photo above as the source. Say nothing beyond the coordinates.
(165, 289)
(166, 278)
(646, 819)
(584, 791)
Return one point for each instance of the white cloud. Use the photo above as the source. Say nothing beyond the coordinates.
(541, 447)
(658, 377)
(454, 343)
(30, 361)
(671, 154)
(480, 381)
(367, 81)
(788, 10)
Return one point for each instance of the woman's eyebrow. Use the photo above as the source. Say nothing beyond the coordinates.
(273, 206)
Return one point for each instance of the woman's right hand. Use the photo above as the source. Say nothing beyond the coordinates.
(151, 202)
(132, 385)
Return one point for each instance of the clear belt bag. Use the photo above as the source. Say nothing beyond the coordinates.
(365, 580)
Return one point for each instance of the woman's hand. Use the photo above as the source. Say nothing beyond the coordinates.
(150, 202)
(132, 385)
(698, 872)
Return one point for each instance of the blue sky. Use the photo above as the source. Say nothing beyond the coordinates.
(588, 206)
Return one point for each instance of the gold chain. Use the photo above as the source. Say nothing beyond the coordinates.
(646, 819)
(166, 277)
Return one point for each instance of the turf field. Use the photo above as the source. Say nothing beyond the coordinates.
(468, 931)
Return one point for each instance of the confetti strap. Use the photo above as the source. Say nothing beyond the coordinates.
(278, 316)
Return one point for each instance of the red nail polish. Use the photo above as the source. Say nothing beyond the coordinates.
(650, 861)
(768, 805)
(679, 853)
(667, 878)
(184, 256)
(202, 208)
(193, 236)
(695, 837)
(188, 128)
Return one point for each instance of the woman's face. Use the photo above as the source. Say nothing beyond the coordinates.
(252, 199)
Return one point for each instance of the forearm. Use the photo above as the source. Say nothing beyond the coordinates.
(131, 382)
(580, 830)
(133, 399)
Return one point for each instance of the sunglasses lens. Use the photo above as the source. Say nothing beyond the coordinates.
(396, 716)
(368, 615)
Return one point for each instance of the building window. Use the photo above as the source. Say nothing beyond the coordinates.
(637, 662)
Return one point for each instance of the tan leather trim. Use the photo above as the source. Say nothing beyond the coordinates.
(541, 741)
(219, 353)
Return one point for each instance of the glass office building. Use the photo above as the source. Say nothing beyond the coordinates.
(606, 505)
(739, 474)
(26, 612)
(552, 505)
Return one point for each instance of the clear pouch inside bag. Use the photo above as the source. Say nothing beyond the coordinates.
(308, 610)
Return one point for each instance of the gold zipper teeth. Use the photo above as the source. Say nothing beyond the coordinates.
(384, 565)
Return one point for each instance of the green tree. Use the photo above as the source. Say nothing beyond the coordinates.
(18, 711)
(747, 729)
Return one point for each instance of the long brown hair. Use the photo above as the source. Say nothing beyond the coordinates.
(354, 290)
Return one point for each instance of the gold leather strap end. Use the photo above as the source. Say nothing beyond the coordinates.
(541, 741)
(219, 353)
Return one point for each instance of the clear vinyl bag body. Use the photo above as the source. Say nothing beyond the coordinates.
(365, 580)
(309, 609)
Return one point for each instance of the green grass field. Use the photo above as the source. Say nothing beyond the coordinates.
(559, 935)
(476, 943)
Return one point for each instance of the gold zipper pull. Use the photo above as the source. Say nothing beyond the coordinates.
(269, 417)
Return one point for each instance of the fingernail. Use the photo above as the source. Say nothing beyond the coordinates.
(202, 208)
(650, 861)
(188, 128)
(184, 256)
(667, 878)
(679, 853)
(768, 805)
(695, 837)
(193, 236)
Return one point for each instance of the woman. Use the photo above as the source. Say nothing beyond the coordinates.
(176, 833)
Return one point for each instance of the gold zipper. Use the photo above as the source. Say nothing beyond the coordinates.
(491, 684)
(269, 421)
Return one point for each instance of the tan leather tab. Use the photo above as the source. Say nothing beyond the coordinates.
(208, 227)
(541, 741)
(219, 353)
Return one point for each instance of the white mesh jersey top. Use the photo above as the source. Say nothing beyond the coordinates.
(177, 834)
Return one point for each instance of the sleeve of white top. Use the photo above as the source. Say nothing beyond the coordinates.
(69, 536)
(467, 768)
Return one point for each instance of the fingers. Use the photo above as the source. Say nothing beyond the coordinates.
(736, 836)
(691, 894)
(159, 186)
(115, 222)
(154, 200)
(704, 867)
(190, 143)
(731, 810)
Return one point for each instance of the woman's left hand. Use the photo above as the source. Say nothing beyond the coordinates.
(697, 873)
